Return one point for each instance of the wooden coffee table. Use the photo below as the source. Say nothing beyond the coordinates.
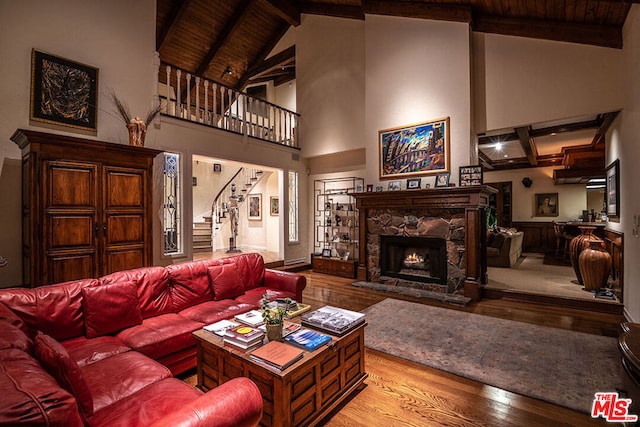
(301, 394)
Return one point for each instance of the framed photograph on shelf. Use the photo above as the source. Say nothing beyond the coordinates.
(612, 193)
(326, 253)
(217, 167)
(470, 175)
(255, 207)
(378, 187)
(414, 150)
(413, 183)
(546, 204)
(442, 180)
(63, 92)
(394, 185)
(274, 206)
(369, 188)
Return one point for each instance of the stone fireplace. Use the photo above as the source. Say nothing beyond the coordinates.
(446, 228)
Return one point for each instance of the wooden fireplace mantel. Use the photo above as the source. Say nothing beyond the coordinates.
(472, 200)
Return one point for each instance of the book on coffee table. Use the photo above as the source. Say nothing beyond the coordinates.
(277, 355)
(307, 339)
(251, 318)
(219, 328)
(337, 321)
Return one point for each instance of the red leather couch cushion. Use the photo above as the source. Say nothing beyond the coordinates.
(189, 284)
(110, 308)
(213, 311)
(8, 316)
(225, 281)
(56, 360)
(86, 351)
(122, 375)
(251, 269)
(30, 396)
(154, 296)
(13, 337)
(161, 335)
(148, 405)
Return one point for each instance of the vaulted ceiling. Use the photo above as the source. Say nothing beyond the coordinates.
(228, 41)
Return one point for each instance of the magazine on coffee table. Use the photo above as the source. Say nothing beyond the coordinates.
(337, 321)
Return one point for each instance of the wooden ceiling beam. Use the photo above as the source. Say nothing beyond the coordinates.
(606, 121)
(569, 127)
(286, 10)
(598, 35)
(173, 19)
(329, 9)
(485, 160)
(421, 10)
(224, 35)
(276, 61)
(527, 144)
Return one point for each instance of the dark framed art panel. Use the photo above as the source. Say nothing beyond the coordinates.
(63, 92)
(613, 191)
(470, 175)
(414, 150)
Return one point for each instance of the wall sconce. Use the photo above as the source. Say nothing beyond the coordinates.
(527, 182)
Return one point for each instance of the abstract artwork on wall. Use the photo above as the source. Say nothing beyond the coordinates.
(420, 149)
(63, 92)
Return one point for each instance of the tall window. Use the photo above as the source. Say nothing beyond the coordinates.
(293, 206)
(171, 204)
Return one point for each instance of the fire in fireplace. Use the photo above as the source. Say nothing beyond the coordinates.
(417, 258)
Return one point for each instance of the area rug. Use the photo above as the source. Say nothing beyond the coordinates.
(558, 366)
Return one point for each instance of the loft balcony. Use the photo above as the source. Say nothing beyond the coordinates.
(198, 100)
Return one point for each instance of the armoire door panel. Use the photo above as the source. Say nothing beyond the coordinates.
(70, 231)
(123, 229)
(70, 184)
(67, 267)
(124, 259)
(124, 188)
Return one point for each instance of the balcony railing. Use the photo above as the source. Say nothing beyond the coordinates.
(203, 101)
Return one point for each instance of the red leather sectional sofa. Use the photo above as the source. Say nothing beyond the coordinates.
(102, 352)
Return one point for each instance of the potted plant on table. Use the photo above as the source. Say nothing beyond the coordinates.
(273, 317)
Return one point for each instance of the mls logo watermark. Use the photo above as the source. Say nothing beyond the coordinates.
(612, 408)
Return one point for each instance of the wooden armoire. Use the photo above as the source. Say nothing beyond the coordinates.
(87, 207)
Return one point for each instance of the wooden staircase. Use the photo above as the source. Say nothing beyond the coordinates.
(202, 236)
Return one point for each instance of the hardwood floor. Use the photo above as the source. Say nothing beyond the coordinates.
(404, 393)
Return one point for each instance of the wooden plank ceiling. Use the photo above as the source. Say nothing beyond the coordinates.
(228, 41)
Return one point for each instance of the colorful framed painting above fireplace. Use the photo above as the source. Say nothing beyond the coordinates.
(414, 150)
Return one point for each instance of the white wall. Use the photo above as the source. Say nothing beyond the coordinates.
(416, 71)
(622, 144)
(330, 83)
(572, 198)
(520, 81)
(117, 37)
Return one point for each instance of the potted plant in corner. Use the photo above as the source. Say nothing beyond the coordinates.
(274, 317)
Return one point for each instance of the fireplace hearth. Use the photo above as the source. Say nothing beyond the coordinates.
(415, 258)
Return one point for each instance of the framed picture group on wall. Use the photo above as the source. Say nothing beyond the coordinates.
(470, 175)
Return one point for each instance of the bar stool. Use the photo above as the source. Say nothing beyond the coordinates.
(563, 241)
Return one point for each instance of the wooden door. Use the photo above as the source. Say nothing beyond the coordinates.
(70, 221)
(124, 218)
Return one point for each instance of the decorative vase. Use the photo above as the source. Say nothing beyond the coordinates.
(137, 132)
(595, 266)
(578, 244)
(274, 332)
